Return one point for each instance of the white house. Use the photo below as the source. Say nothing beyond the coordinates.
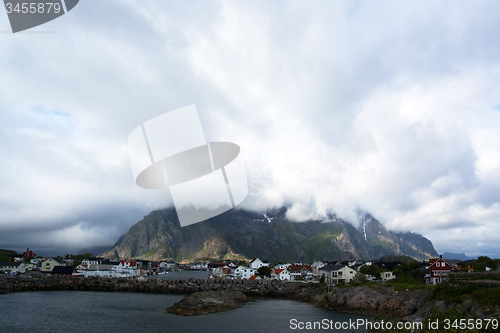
(257, 263)
(281, 266)
(280, 274)
(168, 266)
(96, 270)
(386, 276)
(29, 266)
(300, 271)
(91, 261)
(337, 273)
(217, 272)
(49, 264)
(12, 267)
(247, 272)
(128, 268)
(317, 265)
(200, 266)
(238, 271)
(36, 261)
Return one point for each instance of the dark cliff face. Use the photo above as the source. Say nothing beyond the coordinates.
(239, 234)
(383, 241)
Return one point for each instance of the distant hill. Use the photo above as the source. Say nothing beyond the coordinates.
(457, 256)
(239, 234)
(6, 255)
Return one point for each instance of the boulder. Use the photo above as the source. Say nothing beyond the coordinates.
(208, 302)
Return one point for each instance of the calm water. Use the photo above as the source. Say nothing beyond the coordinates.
(87, 311)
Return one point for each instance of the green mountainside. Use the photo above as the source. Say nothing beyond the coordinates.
(239, 234)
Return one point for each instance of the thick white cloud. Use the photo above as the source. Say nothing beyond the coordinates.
(392, 108)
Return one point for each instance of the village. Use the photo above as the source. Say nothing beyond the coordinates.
(434, 271)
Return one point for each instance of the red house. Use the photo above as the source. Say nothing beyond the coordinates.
(29, 254)
(129, 264)
(297, 271)
(437, 271)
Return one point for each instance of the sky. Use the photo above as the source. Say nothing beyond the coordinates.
(390, 107)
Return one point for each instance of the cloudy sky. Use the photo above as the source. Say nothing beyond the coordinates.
(392, 107)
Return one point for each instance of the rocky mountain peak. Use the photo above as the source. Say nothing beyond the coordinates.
(239, 234)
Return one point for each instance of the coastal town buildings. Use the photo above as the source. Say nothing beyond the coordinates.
(434, 271)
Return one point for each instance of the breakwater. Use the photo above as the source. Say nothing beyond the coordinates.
(253, 287)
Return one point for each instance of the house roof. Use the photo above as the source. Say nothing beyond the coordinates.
(255, 260)
(278, 270)
(10, 263)
(318, 263)
(63, 270)
(253, 277)
(466, 262)
(356, 266)
(330, 268)
(57, 260)
(298, 268)
(432, 264)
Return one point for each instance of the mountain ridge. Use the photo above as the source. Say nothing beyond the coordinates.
(240, 234)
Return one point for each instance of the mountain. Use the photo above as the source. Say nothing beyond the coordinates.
(458, 256)
(239, 234)
(94, 250)
(384, 242)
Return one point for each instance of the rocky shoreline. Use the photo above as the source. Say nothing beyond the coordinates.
(380, 302)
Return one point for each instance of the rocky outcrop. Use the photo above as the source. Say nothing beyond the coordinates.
(4, 286)
(239, 234)
(381, 302)
(467, 309)
(201, 303)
